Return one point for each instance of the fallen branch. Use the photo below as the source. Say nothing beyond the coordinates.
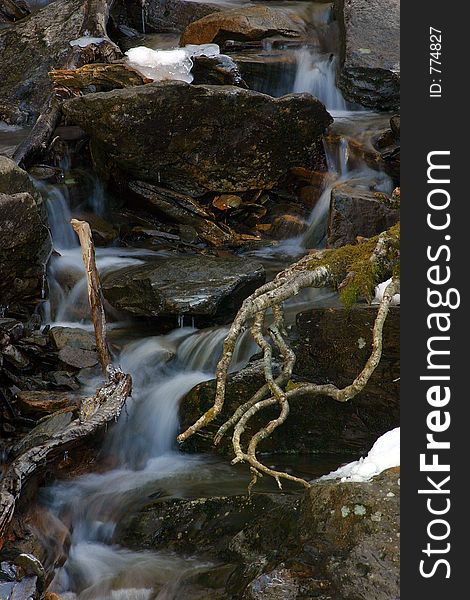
(355, 271)
(95, 295)
(95, 412)
(100, 75)
(110, 397)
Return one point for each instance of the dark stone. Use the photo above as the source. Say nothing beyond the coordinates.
(37, 44)
(336, 540)
(25, 246)
(355, 211)
(188, 137)
(370, 49)
(161, 15)
(25, 242)
(217, 70)
(332, 346)
(73, 337)
(192, 285)
(40, 403)
(44, 430)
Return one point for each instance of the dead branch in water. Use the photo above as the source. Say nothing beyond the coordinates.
(95, 412)
(110, 398)
(355, 271)
(95, 295)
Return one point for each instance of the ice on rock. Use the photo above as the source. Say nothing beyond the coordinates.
(85, 41)
(174, 64)
(384, 454)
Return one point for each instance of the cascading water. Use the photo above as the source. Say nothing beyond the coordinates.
(316, 74)
(83, 514)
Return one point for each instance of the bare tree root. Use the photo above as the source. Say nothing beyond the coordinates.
(354, 271)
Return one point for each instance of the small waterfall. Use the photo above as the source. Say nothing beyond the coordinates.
(316, 74)
(59, 216)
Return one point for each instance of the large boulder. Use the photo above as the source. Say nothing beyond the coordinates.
(199, 286)
(25, 241)
(161, 15)
(370, 47)
(246, 24)
(200, 138)
(336, 541)
(332, 346)
(29, 49)
(355, 211)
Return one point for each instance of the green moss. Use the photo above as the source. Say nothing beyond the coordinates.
(354, 275)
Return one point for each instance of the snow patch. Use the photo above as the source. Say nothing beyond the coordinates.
(174, 64)
(384, 454)
(379, 293)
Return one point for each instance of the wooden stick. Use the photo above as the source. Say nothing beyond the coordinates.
(95, 295)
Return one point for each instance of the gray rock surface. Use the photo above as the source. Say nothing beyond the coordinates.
(192, 285)
(370, 40)
(355, 211)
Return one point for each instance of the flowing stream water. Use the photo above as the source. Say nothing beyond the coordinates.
(141, 447)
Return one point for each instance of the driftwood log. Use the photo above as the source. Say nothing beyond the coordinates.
(95, 412)
(94, 26)
(100, 75)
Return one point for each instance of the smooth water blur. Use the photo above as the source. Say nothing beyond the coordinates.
(140, 452)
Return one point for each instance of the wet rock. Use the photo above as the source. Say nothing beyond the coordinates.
(355, 211)
(188, 137)
(370, 40)
(26, 589)
(24, 248)
(44, 402)
(44, 431)
(78, 358)
(287, 226)
(355, 528)
(194, 285)
(335, 541)
(73, 337)
(103, 232)
(388, 145)
(25, 242)
(162, 15)
(213, 527)
(15, 357)
(217, 70)
(244, 24)
(30, 566)
(184, 210)
(332, 345)
(37, 43)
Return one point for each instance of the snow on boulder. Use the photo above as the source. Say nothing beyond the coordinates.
(379, 293)
(384, 454)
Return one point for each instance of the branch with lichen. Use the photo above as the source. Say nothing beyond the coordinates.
(353, 270)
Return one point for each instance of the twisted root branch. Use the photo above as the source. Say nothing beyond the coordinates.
(271, 296)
